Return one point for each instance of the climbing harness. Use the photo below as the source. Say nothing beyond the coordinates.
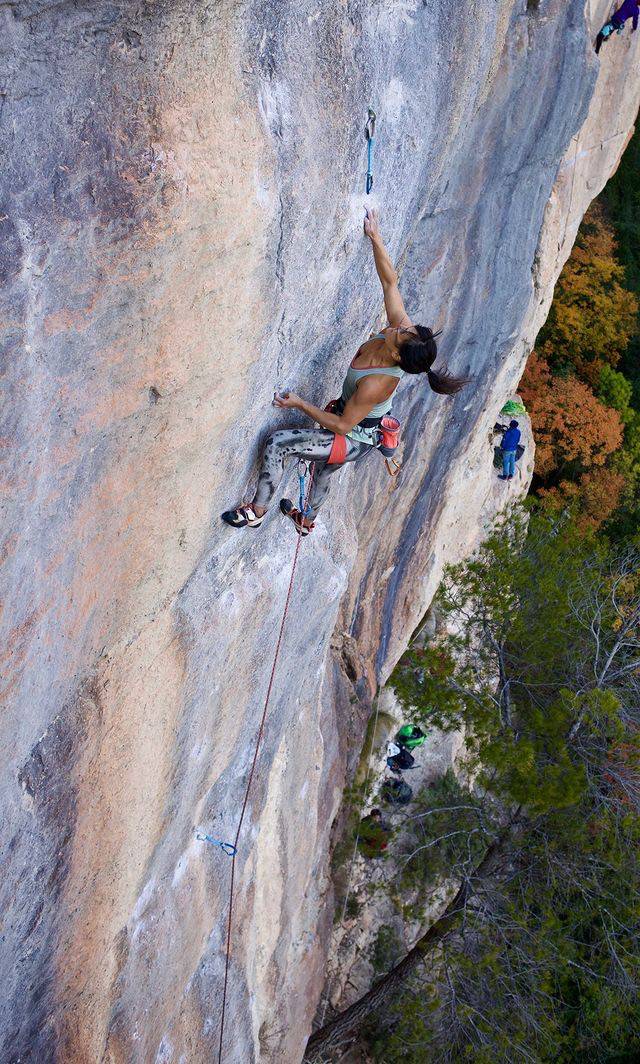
(388, 438)
(226, 847)
(370, 134)
(254, 762)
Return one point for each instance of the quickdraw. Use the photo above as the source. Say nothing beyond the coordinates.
(226, 847)
(370, 134)
(303, 500)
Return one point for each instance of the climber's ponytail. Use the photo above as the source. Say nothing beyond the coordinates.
(445, 383)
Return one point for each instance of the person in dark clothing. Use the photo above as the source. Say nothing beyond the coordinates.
(396, 792)
(372, 836)
(629, 9)
(401, 761)
(510, 441)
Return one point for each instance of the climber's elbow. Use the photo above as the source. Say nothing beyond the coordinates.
(345, 424)
(348, 420)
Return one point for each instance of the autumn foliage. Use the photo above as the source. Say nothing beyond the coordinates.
(572, 427)
(578, 402)
(593, 315)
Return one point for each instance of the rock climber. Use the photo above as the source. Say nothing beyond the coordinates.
(629, 9)
(509, 445)
(372, 378)
(399, 758)
(373, 834)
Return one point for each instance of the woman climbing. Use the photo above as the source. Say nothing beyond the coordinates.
(371, 380)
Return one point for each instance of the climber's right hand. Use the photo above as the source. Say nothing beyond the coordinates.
(371, 223)
(288, 400)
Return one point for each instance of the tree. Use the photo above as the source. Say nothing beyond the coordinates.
(573, 429)
(595, 496)
(616, 391)
(593, 315)
(536, 956)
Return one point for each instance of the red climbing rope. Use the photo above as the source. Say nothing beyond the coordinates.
(252, 770)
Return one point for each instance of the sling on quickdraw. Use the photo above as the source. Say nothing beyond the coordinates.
(303, 499)
(370, 132)
(226, 847)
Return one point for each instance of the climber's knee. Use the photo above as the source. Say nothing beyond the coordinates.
(277, 439)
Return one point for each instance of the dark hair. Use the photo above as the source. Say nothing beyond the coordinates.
(375, 812)
(513, 424)
(417, 355)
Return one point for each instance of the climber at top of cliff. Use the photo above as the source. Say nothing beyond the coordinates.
(629, 9)
(349, 427)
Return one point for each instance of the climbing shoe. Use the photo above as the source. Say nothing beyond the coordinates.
(501, 476)
(243, 517)
(289, 510)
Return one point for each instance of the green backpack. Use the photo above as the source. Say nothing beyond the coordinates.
(410, 736)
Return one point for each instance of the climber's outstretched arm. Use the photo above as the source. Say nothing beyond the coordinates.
(396, 312)
(370, 391)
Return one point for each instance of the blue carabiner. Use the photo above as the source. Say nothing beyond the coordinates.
(369, 167)
(226, 847)
(301, 490)
(304, 509)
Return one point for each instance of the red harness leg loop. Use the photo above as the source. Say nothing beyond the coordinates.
(338, 450)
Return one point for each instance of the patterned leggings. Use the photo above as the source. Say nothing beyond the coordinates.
(314, 445)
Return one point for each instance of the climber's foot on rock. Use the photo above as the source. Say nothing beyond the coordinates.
(243, 517)
(501, 476)
(302, 525)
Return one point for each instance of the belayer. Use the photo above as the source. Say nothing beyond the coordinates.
(509, 446)
(350, 431)
(629, 9)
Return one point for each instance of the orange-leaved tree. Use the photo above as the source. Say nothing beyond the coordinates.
(573, 430)
(596, 495)
(593, 315)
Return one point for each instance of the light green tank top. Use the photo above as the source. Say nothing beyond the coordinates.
(358, 432)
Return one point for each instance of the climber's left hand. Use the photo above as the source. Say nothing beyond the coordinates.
(286, 399)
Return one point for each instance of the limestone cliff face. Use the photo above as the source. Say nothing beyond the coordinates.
(180, 223)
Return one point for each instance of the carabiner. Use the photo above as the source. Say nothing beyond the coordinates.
(226, 847)
(303, 469)
(370, 133)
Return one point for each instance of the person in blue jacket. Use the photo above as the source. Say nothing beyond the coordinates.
(629, 9)
(510, 441)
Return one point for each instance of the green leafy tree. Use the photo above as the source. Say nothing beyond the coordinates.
(535, 956)
(616, 391)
